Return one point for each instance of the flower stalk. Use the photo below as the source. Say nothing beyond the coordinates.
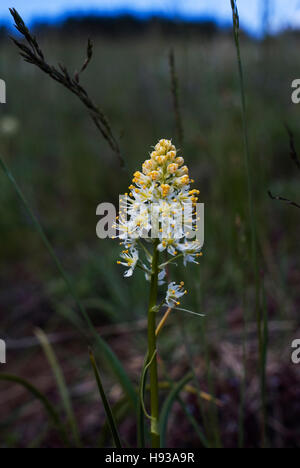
(154, 400)
(160, 209)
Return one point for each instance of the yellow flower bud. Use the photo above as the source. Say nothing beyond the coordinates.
(154, 175)
(147, 166)
(172, 168)
(160, 159)
(184, 180)
(171, 155)
(184, 170)
(179, 161)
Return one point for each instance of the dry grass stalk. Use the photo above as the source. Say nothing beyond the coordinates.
(32, 53)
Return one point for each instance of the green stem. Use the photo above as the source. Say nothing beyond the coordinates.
(155, 436)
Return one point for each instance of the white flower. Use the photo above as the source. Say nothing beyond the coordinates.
(191, 251)
(170, 244)
(130, 258)
(174, 292)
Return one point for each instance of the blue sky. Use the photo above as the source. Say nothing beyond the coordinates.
(284, 13)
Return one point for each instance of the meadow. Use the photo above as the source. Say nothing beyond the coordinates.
(66, 169)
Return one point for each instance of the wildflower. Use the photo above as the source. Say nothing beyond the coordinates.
(154, 212)
(190, 251)
(168, 244)
(174, 292)
(153, 209)
(130, 258)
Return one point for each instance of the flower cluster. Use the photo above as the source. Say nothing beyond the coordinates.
(160, 207)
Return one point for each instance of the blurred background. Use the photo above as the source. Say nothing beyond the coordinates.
(66, 169)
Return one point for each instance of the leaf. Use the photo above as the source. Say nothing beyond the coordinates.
(119, 410)
(108, 411)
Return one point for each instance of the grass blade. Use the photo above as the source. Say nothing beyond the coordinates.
(61, 383)
(53, 415)
(167, 407)
(120, 410)
(236, 25)
(108, 411)
(250, 188)
(106, 351)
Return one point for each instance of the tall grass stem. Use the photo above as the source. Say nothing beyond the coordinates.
(252, 217)
(175, 97)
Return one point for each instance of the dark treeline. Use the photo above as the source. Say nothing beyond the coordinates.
(124, 25)
(127, 25)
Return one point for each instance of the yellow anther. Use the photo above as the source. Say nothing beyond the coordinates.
(165, 188)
